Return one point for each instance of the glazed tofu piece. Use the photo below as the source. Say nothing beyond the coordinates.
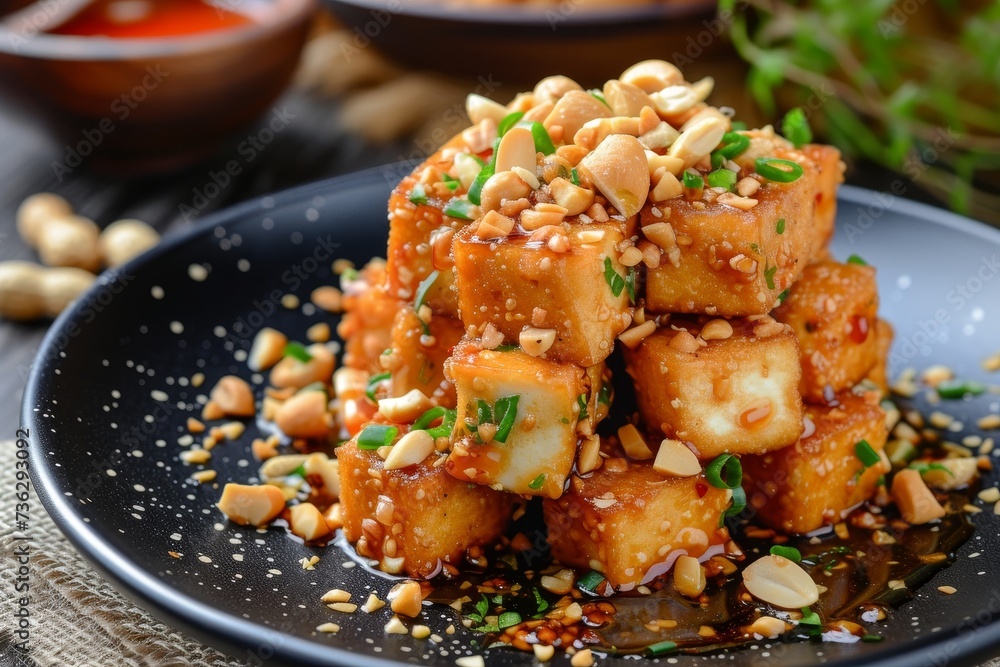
(833, 309)
(417, 358)
(879, 374)
(517, 422)
(809, 485)
(829, 175)
(737, 394)
(723, 260)
(414, 519)
(630, 523)
(369, 314)
(582, 293)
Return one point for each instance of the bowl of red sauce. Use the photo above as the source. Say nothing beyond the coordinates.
(147, 85)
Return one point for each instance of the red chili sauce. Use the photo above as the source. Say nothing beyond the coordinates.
(125, 19)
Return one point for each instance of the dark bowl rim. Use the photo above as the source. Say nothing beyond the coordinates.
(48, 46)
(202, 620)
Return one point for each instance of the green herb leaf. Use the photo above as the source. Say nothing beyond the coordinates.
(297, 351)
(857, 259)
(604, 396)
(450, 181)
(373, 383)
(424, 287)
(692, 180)
(508, 619)
(581, 401)
(483, 607)
(460, 208)
(795, 128)
(778, 170)
(724, 472)
(780, 227)
(484, 413)
(541, 604)
(509, 121)
(612, 277)
(630, 278)
(418, 195)
(810, 618)
(791, 553)
(537, 483)
(506, 413)
(377, 435)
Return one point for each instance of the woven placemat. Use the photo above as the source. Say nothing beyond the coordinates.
(76, 618)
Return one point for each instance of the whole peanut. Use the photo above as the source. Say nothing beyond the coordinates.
(125, 239)
(63, 285)
(21, 291)
(36, 211)
(70, 241)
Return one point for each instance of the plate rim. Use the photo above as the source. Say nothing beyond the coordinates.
(232, 634)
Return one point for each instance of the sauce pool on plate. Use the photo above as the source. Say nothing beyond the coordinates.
(131, 19)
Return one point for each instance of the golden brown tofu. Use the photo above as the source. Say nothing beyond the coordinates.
(369, 313)
(809, 485)
(730, 261)
(830, 174)
(630, 523)
(833, 308)
(879, 374)
(581, 294)
(417, 358)
(537, 401)
(737, 394)
(414, 519)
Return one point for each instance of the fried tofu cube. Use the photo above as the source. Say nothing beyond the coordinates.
(414, 519)
(416, 360)
(737, 394)
(537, 401)
(879, 374)
(723, 260)
(829, 175)
(513, 283)
(833, 309)
(369, 313)
(809, 485)
(630, 523)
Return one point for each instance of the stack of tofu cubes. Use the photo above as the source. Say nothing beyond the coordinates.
(607, 265)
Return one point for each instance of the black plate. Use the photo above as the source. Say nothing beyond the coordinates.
(104, 450)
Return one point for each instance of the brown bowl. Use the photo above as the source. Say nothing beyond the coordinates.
(148, 104)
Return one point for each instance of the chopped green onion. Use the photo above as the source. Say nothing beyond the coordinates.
(418, 195)
(739, 503)
(541, 604)
(599, 96)
(484, 413)
(536, 483)
(377, 435)
(604, 396)
(505, 348)
(778, 170)
(769, 276)
(581, 401)
(783, 296)
(298, 351)
(795, 128)
(446, 426)
(630, 277)
(349, 275)
(927, 467)
(857, 259)
(298, 472)
(428, 418)
(509, 121)
(460, 208)
(717, 160)
(791, 553)
(450, 181)
(780, 227)
(959, 388)
(506, 412)
(590, 581)
(733, 145)
(423, 288)
(508, 619)
(872, 638)
(692, 180)
(543, 142)
(374, 381)
(722, 178)
(574, 176)
(755, 248)
(725, 472)
(811, 618)
(662, 648)
(612, 277)
(476, 190)
(866, 453)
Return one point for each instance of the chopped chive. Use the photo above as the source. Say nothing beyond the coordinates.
(506, 413)
(581, 401)
(484, 413)
(505, 348)
(725, 472)
(590, 581)
(959, 388)
(423, 288)
(374, 381)
(866, 453)
(857, 259)
(298, 351)
(418, 195)
(795, 128)
(630, 277)
(780, 227)
(509, 121)
(613, 278)
(769, 276)
(778, 170)
(476, 189)
(604, 396)
(450, 181)
(783, 296)
(599, 96)
(662, 648)
(872, 638)
(446, 426)
(722, 178)
(733, 145)
(541, 604)
(460, 208)
(428, 418)
(377, 435)
(536, 483)
(755, 248)
(738, 504)
(791, 553)
(508, 619)
(692, 180)
(717, 160)
(811, 618)
(927, 467)
(543, 142)
(574, 176)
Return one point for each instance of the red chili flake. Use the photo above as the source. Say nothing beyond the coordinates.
(859, 329)
(701, 488)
